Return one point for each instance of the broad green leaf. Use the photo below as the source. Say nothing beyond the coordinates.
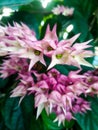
(89, 6)
(29, 114)
(86, 7)
(89, 120)
(12, 115)
(20, 117)
(48, 121)
(79, 23)
(65, 69)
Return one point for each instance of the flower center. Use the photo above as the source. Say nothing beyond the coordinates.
(59, 56)
(36, 52)
(49, 48)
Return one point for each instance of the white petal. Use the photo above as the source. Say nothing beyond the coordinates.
(39, 110)
(53, 62)
(82, 61)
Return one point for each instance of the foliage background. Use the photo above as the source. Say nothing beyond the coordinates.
(31, 12)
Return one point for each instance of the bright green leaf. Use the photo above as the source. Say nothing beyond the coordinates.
(48, 121)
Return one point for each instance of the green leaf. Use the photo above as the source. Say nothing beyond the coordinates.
(48, 121)
(12, 115)
(29, 114)
(20, 117)
(85, 7)
(79, 23)
(13, 3)
(3, 82)
(89, 120)
(65, 69)
(69, 124)
(62, 69)
(89, 6)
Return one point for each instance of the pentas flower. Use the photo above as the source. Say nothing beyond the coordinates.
(60, 94)
(63, 10)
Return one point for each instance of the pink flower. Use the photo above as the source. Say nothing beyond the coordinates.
(19, 91)
(61, 94)
(13, 65)
(26, 81)
(52, 90)
(49, 41)
(67, 53)
(58, 10)
(41, 102)
(63, 10)
(81, 106)
(68, 11)
(91, 82)
(21, 42)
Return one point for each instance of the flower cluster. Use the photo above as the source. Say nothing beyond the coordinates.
(60, 94)
(19, 41)
(53, 91)
(63, 10)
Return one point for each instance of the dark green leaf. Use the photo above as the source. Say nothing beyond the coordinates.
(69, 124)
(29, 114)
(65, 69)
(89, 120)
(62, 69)
(20, 117)
(12, 115)
(79, 23)
(85, 7)
(3, 82)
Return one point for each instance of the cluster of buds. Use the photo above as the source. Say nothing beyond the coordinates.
(53, 91)
(66, 11)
